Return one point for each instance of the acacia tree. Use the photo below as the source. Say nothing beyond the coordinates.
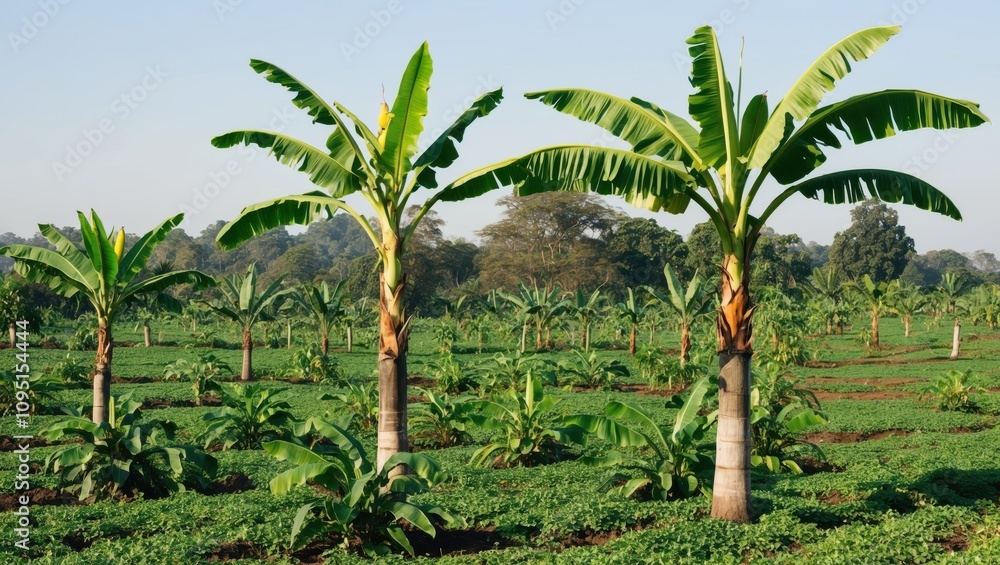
(106, 275)
(721, 163)
(387, 174)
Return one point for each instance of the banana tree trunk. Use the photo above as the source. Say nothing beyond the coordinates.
(247, 373)
(548, 337)
(288, 340)
(652, 332)
(350, 339)
(685, 344)
(731, 490)
(147, 336)
(524, 337)
(631, 340)
(955, 340)
(906, 325)
(538, 335)
(875, 342)
(102, 372)
(586, 340)
(326, 343)
(393, 342)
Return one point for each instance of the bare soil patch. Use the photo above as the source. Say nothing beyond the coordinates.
(825, 395)
(895, 381)
(38, 497)
(645, 390)
(8, 443)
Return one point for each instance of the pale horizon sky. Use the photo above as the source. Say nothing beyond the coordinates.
(162, 79)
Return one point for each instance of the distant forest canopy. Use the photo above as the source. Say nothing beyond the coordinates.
(565, 240)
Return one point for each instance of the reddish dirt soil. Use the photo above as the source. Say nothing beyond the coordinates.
(862, 381)
(645, 390)
(237, 482)
(156, 403)
(133, 380)
(958, 541)
(38, 497)
(8, 443)
(853, 437)
(825, 395)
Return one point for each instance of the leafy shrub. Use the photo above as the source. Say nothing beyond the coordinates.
(360, 503)
(125, 456)
(780, 412)
(673, 462)
(84, 335)
(41, 389)
(250, 415)
(445, 334)
(361, 400)
(590, 372)
(70, 371)
(652, 365)
(511, 372)
(527, 438)
(201, 373)
(950, 390)
(310, 363)
(451, 376)
(442, 421)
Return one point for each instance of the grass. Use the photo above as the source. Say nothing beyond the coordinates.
(927, 495)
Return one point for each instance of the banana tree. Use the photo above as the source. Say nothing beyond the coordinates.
(325, 305)
(906, 302)
(825, 284)
(689, 305)
(721, 163)
(876, 297)
(584, 309)
(106, 275)
(386, 170)
(631, 312)
(951, 286)
(244, 304)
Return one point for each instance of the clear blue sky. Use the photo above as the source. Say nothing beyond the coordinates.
(162, 79)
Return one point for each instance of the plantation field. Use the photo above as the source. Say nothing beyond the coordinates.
(903, 481)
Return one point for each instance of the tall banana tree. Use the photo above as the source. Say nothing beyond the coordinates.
(721, 162)
(386, 170)
(105, 274)
(688, 304)
(243, 303)
(325, 306)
